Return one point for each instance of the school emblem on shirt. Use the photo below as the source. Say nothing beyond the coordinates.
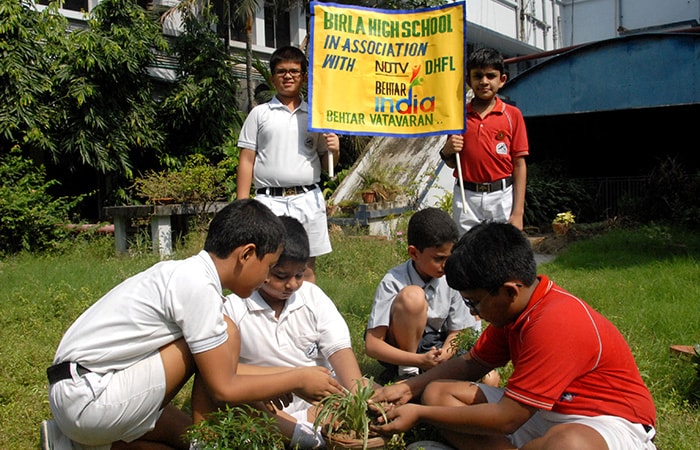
(501, 148)
(312, 350)
(500, 135)
(567, 397)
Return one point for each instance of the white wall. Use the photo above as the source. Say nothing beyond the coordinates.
(585, 21)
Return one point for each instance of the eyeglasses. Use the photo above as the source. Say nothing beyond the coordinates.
(473, 305)
(295, 73)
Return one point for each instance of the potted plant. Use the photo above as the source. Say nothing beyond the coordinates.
(344, 418)
(562, 222)
(380, 182)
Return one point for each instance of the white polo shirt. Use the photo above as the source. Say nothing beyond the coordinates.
(287, 154)
(309, 330)
(170, 300)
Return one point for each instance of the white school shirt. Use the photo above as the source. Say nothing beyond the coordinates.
(170, 300)
(446, 309)
(309, 330)
(287, 154)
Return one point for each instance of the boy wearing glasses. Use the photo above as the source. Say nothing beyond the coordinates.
(575, 383)
(282, 159)
(416, 315)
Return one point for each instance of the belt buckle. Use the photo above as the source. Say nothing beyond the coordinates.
(289, 191)
(483, 187)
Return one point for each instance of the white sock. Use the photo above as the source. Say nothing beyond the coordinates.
(408, 370)
(306, 437)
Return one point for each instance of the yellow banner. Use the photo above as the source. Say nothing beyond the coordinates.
(387, 72)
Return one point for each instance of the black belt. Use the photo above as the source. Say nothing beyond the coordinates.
(286, 191)
(61, 371)
(489, 187)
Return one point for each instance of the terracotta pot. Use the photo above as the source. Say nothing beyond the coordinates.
(560, 228)
(369, 197)
(336, 442)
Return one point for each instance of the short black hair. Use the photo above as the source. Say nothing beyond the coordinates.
(245, 221)
(488, 255)
(486, 57)
(288, 53)
(431, 227)
(296, 242)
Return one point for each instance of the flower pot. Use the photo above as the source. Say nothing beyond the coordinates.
(560, 228)
(339, 442)
(369, 197)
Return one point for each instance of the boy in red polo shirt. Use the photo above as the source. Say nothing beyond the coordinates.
(491, 152)
(575, 383)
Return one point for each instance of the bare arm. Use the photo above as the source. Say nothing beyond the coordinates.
(244, 174)
(376, 347)
(459, 368)
(519, 183)
(503, 417)
(346, 368)
(219, 369)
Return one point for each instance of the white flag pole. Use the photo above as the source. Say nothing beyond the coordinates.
(330, 164)
(461, 183)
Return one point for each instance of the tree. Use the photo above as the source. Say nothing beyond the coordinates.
(245, 9)
(104, 92)
(201, 110)
(29, 41)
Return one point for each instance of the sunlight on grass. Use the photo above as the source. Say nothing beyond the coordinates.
(647, 281)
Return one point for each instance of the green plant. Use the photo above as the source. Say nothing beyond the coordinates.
(565, 217)
(549, 191)
(31, 218)
(348, 413)
(197, 182)
(237, 427)
(382, 180)
(464, 340)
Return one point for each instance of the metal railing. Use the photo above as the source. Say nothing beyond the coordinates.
(610, 193)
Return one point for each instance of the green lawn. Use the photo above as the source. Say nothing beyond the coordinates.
(647, 281)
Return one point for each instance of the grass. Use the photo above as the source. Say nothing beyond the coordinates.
(646, 280)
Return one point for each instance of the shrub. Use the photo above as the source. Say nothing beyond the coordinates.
(197, 182)
(30, 218)
(237, 427)
(663, 201)
(549, 191)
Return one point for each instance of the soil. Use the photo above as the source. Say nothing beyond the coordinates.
(550, 244)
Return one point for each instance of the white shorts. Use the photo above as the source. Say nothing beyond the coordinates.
(96, 410)
(308, 208)
(481, 207)
(619, 433)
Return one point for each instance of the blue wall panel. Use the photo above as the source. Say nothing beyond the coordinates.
(636, 71)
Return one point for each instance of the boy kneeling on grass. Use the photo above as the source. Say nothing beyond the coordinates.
(290, 322)
(125, 358)
(575, 384)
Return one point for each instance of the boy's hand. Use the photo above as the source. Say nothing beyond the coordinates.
(398, 393)
(278, 403)
(430, 359)
(454, 144)
(332, 142)
(400, 419)
(315, 383)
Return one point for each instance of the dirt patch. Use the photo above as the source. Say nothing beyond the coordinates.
(550, 244)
